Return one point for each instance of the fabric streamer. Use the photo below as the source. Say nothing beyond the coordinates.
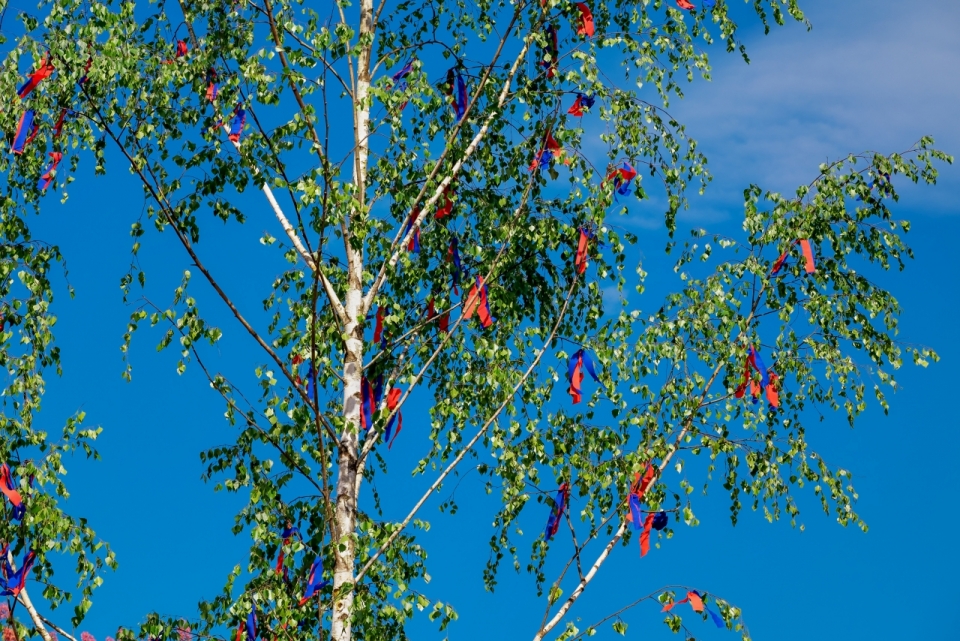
(58, 127)
(86, 71)
(38, 76)
(556, 513)
(645, 536)
(26, 131)
(295, 367)
(378, 336)
(660, 520)
(399, 82)
(637, 490)
(767, 382)
(286, 535)
(413, 245)
(684, 4)
(13, 582)
(457, 92)
(236, 124)
(809, 262)
(315, 582)
(252, 624)
(180, 52)
(212, 87)
(453, 255)
(693, 597)
(393, 399)
(443, 320)
(447, 207)
(367, 404)
(583, 250)
(311, 381)
(551, 150)
(553, 50)
(622, 178)
(586, 27)
(9, 488)
(575, 365)
(47, 177)
(477, 302)
(582, 102)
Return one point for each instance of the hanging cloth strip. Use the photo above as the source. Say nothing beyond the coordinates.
(399, 82)
(637, 491)
(553, 50)
(583, 250)
(236, 124)
(315, 582)
(58, 127)
(551, 149)
(13, 582)
(685, 4)
(457, 92)
(582, 102)
(393, 399)
(38, 76)
(586, 27)
(379, 336)
(47, 177)
(9, 488)
(213, 89)
(26, 131)
(286, 535)
(767, 381)
(180, 52)
(447, 207)
(477, 301)
(809, 264)
(556, 512)
(86, 71)
(453, 255)
(575, 365)
(443, 320)
(696, 602)
(413, 245)
(622, 178)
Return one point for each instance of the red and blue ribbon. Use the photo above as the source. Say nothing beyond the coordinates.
(809, 263)
(413, 245)
(236, 123)
(583, 250)
(86, 72)
(443, 320)
(26, 131)
(696, 602)
(768, 380)
(556, 512)
(393, 400)
(47, 177)
(622, 178)
(13, 582)
(478, 302)
(315, 582)
(38, 76)
(582, 102)
(457, 92)
(9, 488)
(575, 365)
(551, 149)
(213, 89)
(181, 51)
(553, 50)
(58, 127)
(399, 82)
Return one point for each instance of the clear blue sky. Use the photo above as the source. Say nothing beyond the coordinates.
(871, 75)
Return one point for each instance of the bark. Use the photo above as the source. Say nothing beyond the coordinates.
(348, 464)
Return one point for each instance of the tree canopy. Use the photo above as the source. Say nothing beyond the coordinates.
(444, 181)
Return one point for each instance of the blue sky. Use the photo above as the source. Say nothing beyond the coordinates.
(870, 75)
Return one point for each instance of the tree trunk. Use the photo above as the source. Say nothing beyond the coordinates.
(347, 482)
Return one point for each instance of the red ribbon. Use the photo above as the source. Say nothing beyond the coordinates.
(684, 4)
(393, 398)
(477, 302)
(692, 597)
(580, 262)
(586, 20)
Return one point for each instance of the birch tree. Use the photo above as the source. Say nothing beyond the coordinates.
(447, 183)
